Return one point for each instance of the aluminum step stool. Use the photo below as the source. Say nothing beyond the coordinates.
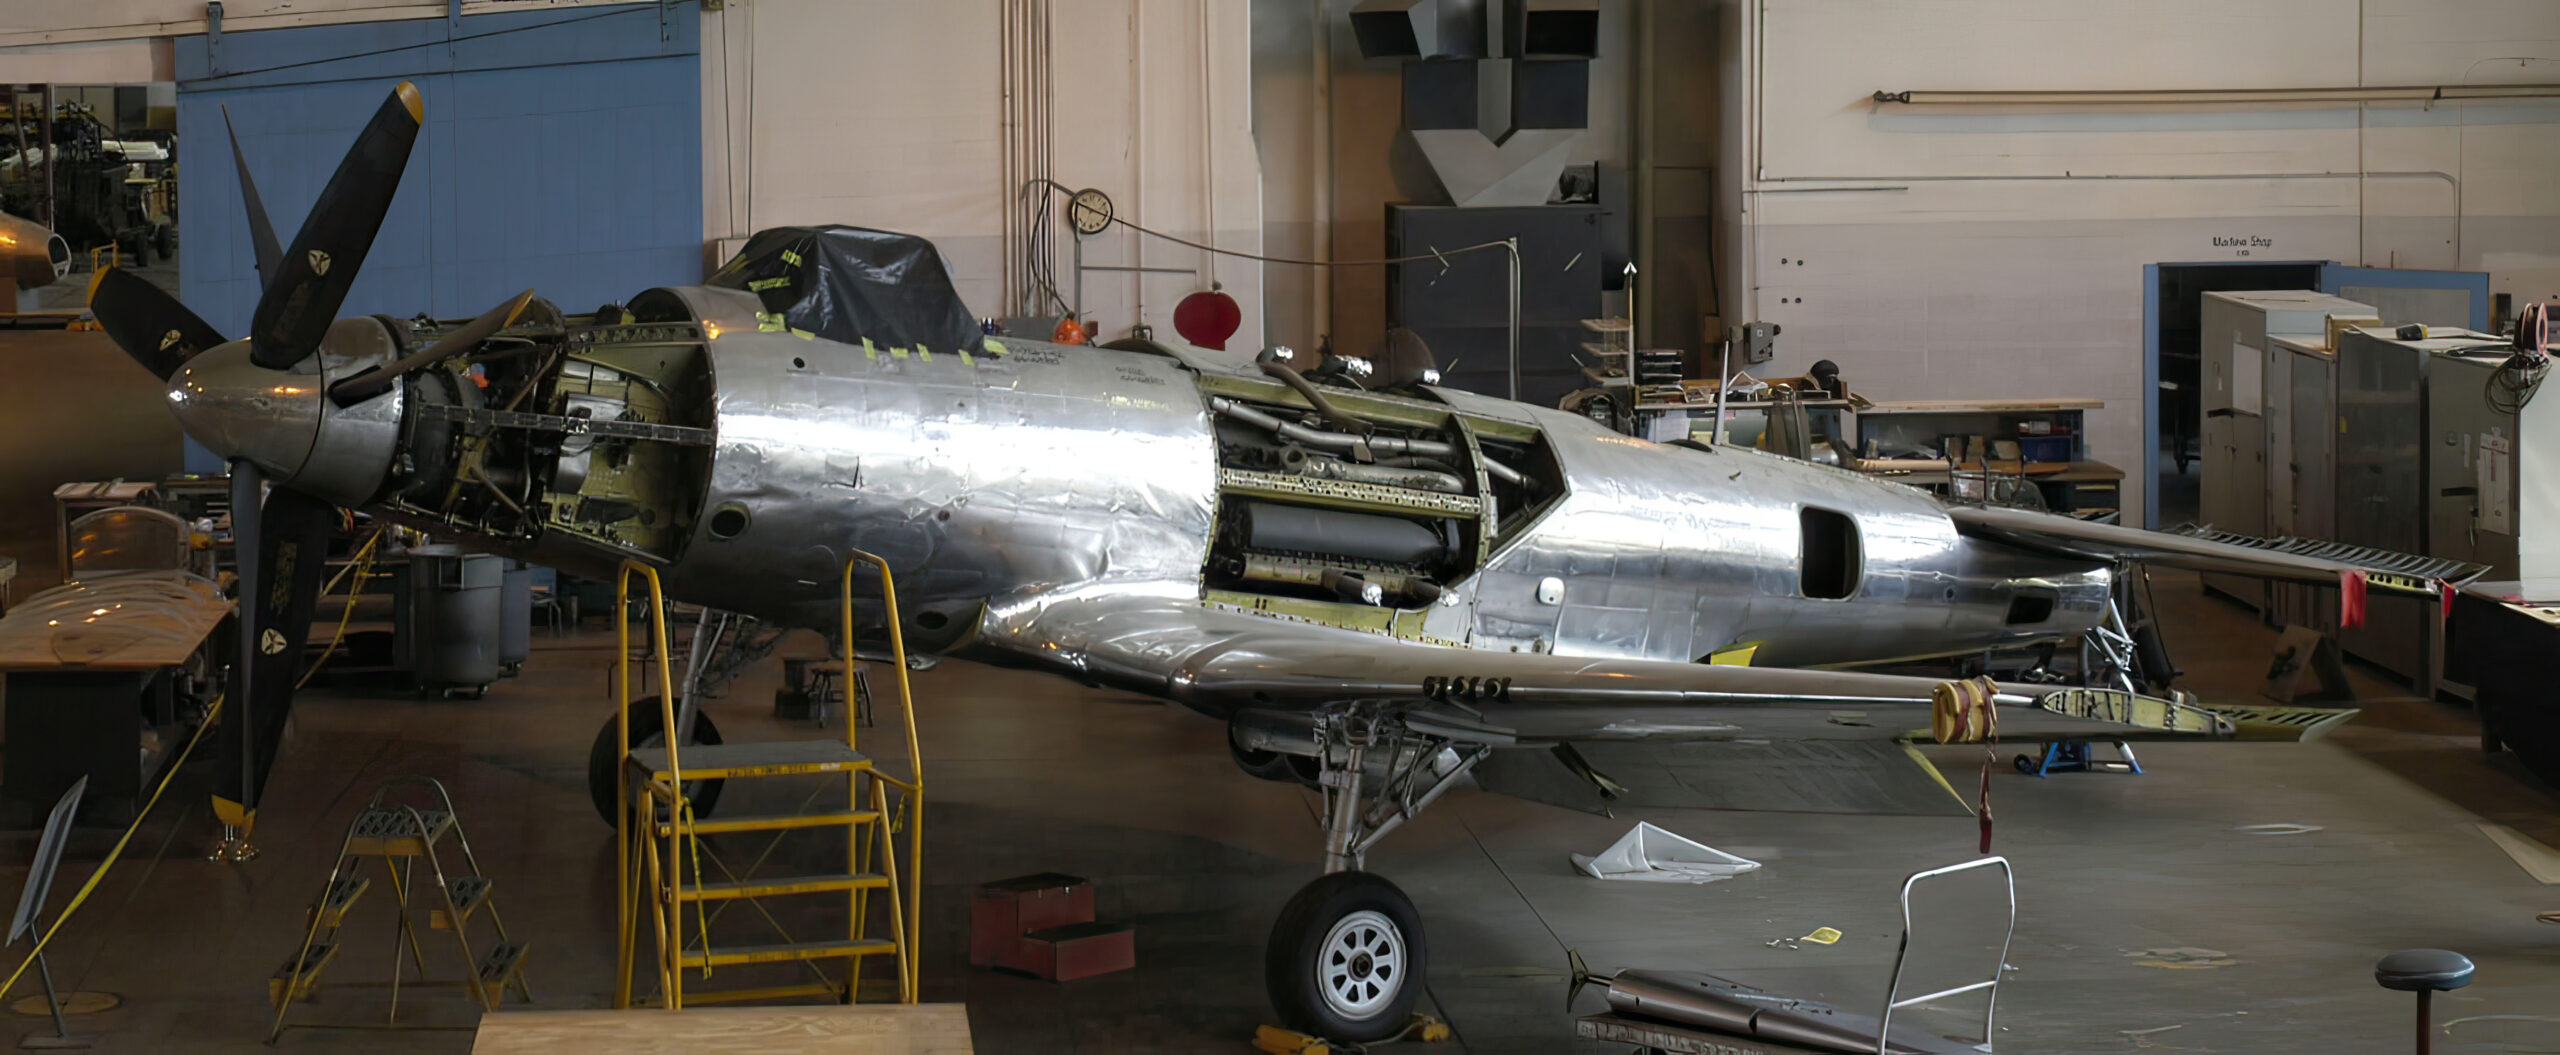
(401, 835)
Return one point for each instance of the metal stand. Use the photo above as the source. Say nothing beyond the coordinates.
(2075, 758)
(1893, 998)
(57, 831)
(233, 847)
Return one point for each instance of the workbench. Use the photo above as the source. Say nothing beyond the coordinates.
(2051, 433)
(867, 1029)
(90, 668)
(2504, 641)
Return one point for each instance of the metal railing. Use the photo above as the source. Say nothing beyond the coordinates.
(1893, 998)
(912, 810)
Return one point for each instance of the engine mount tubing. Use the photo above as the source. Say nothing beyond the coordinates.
(1343, 442)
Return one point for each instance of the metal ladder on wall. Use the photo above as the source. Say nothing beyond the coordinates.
(666, 869)
(400, 836)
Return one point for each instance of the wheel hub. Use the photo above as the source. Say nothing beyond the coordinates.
(1362, 964)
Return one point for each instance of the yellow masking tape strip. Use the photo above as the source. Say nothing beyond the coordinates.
(1733, 655)
(993, 348)
(924, 353)
(870, 350)
(897, 353)
(90, 887)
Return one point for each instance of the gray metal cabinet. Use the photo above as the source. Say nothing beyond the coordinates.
(2490, 480)
(2246, 381)
(2302, 467)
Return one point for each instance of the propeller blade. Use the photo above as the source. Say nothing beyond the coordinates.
(311, 281)
(375, 381)
(283, 549)
(149, 324)
(262, 235)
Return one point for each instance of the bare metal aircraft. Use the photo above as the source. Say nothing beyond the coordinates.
(1375, 587)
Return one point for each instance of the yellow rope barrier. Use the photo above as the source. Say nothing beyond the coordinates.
(95, 877)
(360, 566)
(362, 563)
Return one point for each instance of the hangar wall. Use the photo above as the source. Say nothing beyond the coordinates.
(1940, 254)
(558, 154)
(830, 111)
(1330, 130)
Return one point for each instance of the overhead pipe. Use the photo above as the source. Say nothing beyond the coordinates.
(2221, 96)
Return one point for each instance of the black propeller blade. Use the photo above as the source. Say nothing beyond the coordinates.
(374, 382)
(262, 235)
(312, 280)
(148, 323)
(283, 549)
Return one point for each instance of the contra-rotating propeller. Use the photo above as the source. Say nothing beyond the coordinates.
(281, 532)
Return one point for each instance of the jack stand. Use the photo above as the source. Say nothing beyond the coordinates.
(1278, 1041)
(2302, 650)
(2074, 758)
(234, 847)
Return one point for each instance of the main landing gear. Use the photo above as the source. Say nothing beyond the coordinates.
(1347, 957)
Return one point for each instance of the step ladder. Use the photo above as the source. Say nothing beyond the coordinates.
(675, 882)
(400, 835)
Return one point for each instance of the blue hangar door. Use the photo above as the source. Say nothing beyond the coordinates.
(561, 152)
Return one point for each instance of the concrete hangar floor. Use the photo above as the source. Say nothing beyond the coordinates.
(2148, 918)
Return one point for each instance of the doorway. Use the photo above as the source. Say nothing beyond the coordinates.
(2173, 363)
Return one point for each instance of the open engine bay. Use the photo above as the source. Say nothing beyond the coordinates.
(1332, 496)
(570, 436)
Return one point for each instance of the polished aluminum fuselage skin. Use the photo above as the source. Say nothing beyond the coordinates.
(1050, 477)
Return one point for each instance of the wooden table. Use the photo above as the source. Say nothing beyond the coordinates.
(902, 1029)
(88, 666)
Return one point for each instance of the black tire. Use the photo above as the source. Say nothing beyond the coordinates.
(645, 723)
(1364, 996)
(1260, 765)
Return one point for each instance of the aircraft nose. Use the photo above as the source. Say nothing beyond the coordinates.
(283, 422)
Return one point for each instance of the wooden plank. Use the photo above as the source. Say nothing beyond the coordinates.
(885, 1029)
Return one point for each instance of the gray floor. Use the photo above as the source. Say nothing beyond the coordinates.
(1032, 773)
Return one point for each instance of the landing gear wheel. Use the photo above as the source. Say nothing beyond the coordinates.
(1346, 959)
(646, 720)
(1258, 764)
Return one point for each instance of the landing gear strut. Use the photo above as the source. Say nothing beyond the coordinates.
(1347, 957)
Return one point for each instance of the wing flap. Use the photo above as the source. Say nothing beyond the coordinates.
(2202, 549)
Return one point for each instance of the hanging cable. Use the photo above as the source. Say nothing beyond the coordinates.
(1441, 255)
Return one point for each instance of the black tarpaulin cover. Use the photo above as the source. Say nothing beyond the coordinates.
(848, 283)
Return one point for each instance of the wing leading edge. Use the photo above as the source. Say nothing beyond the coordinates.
(1223, 661)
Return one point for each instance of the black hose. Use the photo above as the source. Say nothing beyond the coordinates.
(1315, 398)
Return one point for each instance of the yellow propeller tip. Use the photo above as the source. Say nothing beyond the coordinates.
(100, 276)
(410, 99)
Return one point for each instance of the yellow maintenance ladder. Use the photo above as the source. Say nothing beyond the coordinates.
(673, 881)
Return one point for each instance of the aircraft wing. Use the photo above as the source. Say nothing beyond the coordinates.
(1223, 661)
(2285, 559)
